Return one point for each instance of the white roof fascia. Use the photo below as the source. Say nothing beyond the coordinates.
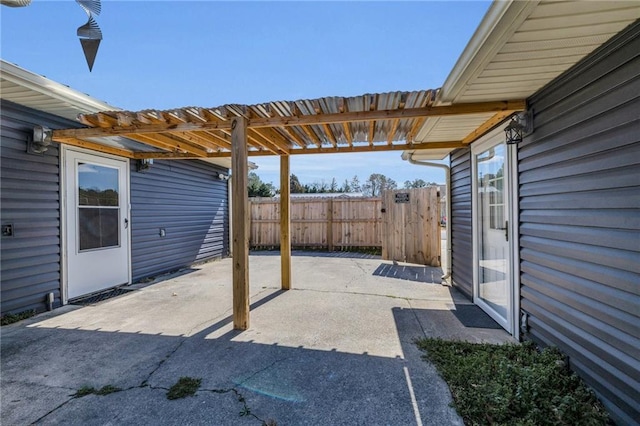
(43, 85)
(498, 25)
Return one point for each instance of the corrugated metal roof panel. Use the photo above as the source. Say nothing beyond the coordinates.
(276, 138)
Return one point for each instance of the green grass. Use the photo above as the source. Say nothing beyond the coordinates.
(513, 385)
(12, 318)
(186, 386)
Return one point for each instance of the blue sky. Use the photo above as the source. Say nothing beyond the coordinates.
(169, 54)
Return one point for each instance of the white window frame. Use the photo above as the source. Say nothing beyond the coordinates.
(512, 212)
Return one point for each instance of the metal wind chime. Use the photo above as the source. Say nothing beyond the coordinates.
(90, 34)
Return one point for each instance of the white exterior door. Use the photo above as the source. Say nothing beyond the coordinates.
(493, 237)
(97, 222)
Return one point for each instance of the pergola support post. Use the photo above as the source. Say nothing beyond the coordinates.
(285, 222)
(240, 220)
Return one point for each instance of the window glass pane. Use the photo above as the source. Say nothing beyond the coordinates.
(98, 228)
(97, 185)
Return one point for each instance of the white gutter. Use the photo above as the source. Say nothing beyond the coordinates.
(40, 84)
(447, 172)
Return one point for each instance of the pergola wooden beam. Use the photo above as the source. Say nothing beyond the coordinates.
(311, 135)
(285, 223)
(259, 141)
(355, 116)
(170, 143)
(302, 120)
(297, 139)
(240, 220)
(486, 127)
(105, 149)
(274, 138)
(392, 132)
(375, 148)
(215, 138)
(327, 150)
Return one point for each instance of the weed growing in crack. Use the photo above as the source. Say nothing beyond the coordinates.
(90, 390)
(184, 387)
(106, 390)
(84, 391)
(245, 411)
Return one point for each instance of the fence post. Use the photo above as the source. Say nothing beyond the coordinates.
(330, 224)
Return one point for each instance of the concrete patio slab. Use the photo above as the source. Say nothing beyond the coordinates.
(336, 349)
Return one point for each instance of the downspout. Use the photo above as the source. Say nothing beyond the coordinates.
(447, 172)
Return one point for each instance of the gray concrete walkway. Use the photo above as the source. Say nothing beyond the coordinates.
(335, 350)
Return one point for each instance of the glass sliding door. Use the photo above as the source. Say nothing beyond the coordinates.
(492, 286)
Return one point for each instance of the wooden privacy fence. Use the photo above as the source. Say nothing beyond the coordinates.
(331, 223)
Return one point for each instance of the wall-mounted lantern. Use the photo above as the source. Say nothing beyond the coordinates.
(519, 126)
(39, 142)
(144, 165)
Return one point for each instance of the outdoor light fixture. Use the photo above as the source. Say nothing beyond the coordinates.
(144, 165)
(519, 126)
(39, 142)
(222, 176)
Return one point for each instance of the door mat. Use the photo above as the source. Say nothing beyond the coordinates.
(474, 317)
(92, 299)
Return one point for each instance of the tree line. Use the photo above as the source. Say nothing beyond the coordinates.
(371, 187)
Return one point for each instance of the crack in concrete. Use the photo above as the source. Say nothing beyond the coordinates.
(413, 311)
(71, 397)
(53, 410)
(262, 370)
(162, 361)
(246, 410)
(355, 262)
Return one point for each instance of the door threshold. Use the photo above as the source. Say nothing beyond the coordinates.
(95, 298)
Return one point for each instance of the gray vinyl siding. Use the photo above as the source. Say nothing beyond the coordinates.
(579, 176)
(30, 260)
(189, 201)
(460, 222)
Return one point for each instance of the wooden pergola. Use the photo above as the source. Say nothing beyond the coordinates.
(367, 123)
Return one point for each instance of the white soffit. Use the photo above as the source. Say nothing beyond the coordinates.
(518, 48)
(532, 44)
(35, 91)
